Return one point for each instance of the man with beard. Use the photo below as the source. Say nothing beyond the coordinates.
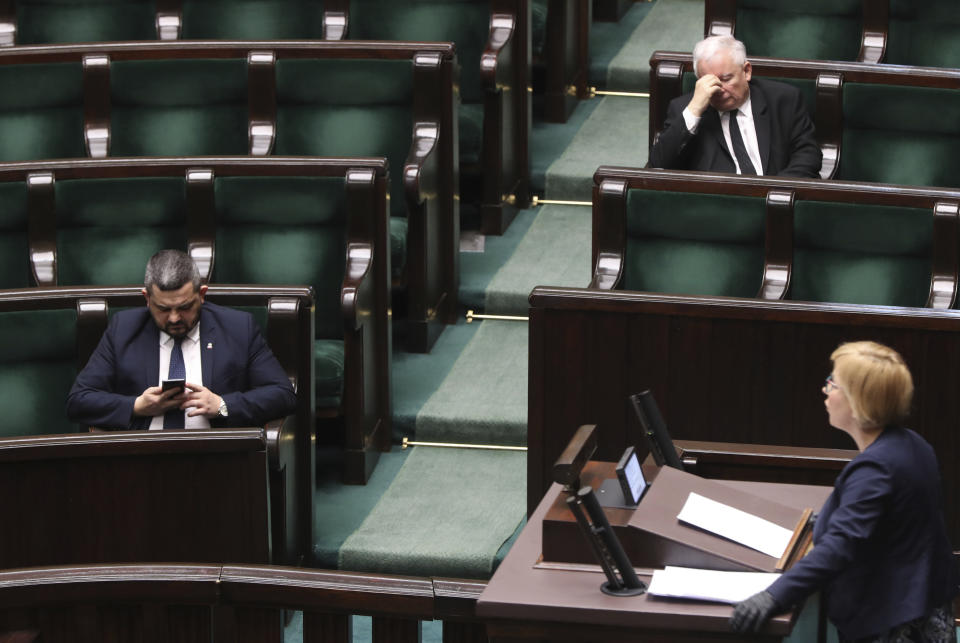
(231, 376)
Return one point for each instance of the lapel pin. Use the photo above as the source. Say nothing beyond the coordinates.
(209, 345)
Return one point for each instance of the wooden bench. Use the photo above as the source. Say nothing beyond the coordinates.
(722, 369)
(318, 221)
(713, 234)
(561, 56)
(327, 99)
(53, 331)
(881, 123)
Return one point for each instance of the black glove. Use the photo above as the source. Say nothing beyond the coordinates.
(751, 614)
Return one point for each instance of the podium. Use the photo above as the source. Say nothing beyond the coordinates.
(547, 588)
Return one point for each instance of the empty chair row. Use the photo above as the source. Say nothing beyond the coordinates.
(318, 222)
(51, 333)
(873, 122)
(885, 31)
(699, 233)
(317, 99)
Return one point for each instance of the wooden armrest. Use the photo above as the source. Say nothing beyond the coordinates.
(201, 215)
(876, 28)
(493, 73)
(609, 233)
(943, 273)
(41, 228)
(96, 105)
(720, 17)
(778, 259)
(262, 98)
(829, 123)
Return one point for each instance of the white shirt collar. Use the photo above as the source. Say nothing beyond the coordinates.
(744, 109)
(193, 335)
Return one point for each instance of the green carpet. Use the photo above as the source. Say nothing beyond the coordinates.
(554, 252)
(673, 25)
(615, 134)
(484, 398)
(607, 38)
(446, 514)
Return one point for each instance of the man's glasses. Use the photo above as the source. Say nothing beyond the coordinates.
(829, 385)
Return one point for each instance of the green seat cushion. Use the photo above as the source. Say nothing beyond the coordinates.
(284, 230)
(14, 253)
(107, 229)
(694, 244)
(398, 245)
(861, 254)
(65, 21)
(37, 369)
(924, 33)
(328, 372)
(905, 135)
(817, 29)
(348, 108)
(41, 111)
(252, 19)
(178, 107)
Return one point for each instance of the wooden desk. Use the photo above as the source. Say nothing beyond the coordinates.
(524, 601)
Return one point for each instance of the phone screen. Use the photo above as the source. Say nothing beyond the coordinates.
(634, 476)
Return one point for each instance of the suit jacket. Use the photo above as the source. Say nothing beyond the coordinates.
(235, 360)
(785, 135)
(881, 552)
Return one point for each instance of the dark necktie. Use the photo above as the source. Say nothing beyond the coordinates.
(173, 419)
(739, 149)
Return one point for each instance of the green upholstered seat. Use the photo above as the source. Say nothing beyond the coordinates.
(43, 118)
(37, 369)
(900, 134)
(694, 244)
(289, 230)
(178, 107)
(64, 21)
(252, 19)
(924, 33)
(861, 254)
(14, 256)
(816, 29)
(107, 229)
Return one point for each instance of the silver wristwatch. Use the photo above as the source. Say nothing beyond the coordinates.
(222, 411)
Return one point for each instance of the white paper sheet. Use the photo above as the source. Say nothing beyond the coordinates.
(738, 526)
(708, 585)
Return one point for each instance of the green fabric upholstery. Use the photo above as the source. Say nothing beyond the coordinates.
(470, 121)
(14, 256)
(398, 245)
(107, 229)
(694, 244)
(538, 25)
(43, 117)
(37, 369)
(816, 29)
(284, 231)
(861, 254)
(924, 33)
(328, 372)
(347, 108)
(56, 21)
(178, 107)
(905, 135)
(252, 19)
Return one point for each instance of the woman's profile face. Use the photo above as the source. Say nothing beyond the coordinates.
(838, 407)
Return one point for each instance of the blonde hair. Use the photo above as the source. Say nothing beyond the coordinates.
(876, 381)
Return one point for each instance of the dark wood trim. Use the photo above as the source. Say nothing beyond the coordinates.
(96, 104)
(778, 245)
(720, 17)
(8, 23)
(262, 101)
(829, 107)
(42, 227)
(943, 282)
(201, 219)
(565, 62)
(169, 19)
(876, 31)
(610, 10)
(609, 233)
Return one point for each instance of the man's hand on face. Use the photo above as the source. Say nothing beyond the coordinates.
(203, 400)
(156, 401)
(707, 86)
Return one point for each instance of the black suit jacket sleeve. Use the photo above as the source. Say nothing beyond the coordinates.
(804, 157)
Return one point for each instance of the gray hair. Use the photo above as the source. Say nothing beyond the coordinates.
(711, 46)
(171, 270)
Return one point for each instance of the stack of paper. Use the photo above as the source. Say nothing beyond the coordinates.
(738, 526)
(708, 585)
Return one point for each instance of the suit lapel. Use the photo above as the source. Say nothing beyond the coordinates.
(208, 333)
(148, 347)
(711, 118)
(761, 120)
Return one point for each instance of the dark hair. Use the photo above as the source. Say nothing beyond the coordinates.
(170, 270)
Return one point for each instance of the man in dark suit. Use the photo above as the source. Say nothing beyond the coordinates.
(773, 135)
(231, 376)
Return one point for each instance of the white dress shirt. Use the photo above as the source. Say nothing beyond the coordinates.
(748, 131)
(191, 361)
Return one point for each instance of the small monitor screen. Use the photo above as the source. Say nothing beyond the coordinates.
(631, 477)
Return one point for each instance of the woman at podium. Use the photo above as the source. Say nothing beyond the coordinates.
(881, 553)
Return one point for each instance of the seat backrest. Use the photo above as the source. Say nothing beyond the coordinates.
(178, 107)
(284, 230)
(38, 363)
(41, 119)
(816, 29)
(861, 254)
(252, 19)
(900, 134)
(686, 243)
(924, 33)
(14, 256)
(63, 21)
